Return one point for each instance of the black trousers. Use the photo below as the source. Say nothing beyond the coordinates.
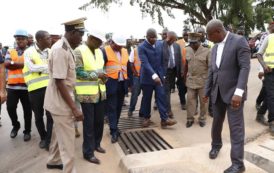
(114, 107)
(261, 95)
(37, 104)
(263, 108)
(168, 84)
(93, 126)
(269, 89)
(182, 90)
(12, 100)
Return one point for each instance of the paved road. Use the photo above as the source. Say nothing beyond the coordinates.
(193, 143)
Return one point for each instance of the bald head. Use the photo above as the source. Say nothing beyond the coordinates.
(151, 36)
(215, 24)
(215, 30)
(151, 31)
(171, 34)
(171, 37)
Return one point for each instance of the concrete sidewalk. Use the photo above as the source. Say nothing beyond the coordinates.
(195, 160)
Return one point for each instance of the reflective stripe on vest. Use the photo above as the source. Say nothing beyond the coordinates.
(137, 62)
(269, 53)
(35, 80)
(114, 66)
(16, 76)
(91, 63)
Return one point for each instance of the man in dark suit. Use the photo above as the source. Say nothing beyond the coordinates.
(172, 65)
(227, 85)
(152, 78)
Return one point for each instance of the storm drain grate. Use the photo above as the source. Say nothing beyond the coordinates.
(126, 123)
(142, 141)
(125, 107)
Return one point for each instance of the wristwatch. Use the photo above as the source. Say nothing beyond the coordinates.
(12, 62)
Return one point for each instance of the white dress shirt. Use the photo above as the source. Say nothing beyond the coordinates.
(220, 49)
(119, 56)
(131, 56)
(36, 67)
(172, 54)
(154, 76)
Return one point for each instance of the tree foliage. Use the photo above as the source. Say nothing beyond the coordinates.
(246, 13)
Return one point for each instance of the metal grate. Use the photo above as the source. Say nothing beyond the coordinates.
(134, 122)
(142, 141)
(125, 108)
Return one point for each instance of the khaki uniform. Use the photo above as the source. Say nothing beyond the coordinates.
(196, 78)
(61, 66)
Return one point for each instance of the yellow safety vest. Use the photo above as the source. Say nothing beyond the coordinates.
(269, 53)
(35, 80)
(87, 87)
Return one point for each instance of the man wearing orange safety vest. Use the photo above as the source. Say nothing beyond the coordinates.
(116, 59)
(17, 88)
(135, 65)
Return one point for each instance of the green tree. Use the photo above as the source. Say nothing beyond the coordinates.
(246, 13)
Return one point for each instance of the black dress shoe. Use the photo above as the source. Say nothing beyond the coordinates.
(42, 144)
(14, 132)
(55, 166)
(235, 169)
(92, 159)
(183, 106)
(27, 137)
(202, 123)
(114, 138)
(189, 124)
(100, 150)
(214, 153)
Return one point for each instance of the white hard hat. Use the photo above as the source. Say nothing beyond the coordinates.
(119, 39)
(98, 34)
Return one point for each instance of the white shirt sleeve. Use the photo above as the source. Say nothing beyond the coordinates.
(154, 76)
(239, 92)
(34, 67)
(263, 46)
(131, 56)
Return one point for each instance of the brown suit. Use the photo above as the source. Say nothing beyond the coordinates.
(195, 81)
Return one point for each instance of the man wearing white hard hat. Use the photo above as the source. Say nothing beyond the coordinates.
(116, 59)
(91, 92)
(17, 88)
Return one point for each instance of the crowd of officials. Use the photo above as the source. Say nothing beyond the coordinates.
(69, 80)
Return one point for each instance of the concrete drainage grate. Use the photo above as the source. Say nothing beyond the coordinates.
(142, 141)
(134, 122)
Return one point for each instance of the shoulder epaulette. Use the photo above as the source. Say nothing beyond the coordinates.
(64, 46)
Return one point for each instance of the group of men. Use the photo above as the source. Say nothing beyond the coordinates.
(72, 82)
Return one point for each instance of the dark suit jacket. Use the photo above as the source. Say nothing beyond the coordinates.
(177, 57)
(233, 71)
(151, 62)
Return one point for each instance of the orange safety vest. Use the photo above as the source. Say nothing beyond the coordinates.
(114, 66)
(184, 56)
(16, 76)
(137, 62)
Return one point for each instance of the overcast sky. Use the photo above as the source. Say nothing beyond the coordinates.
(34, 15)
